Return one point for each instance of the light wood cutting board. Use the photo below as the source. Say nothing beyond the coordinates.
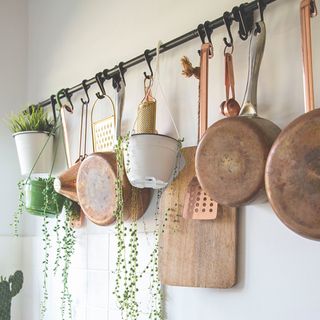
(196, 253)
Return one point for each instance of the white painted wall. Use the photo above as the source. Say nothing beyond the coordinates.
(71, 40)
(13, 95)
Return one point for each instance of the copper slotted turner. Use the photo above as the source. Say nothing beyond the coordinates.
(197, 204)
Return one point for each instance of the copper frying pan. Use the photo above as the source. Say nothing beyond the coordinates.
(293, 168)
(96, 182)
(231, 156)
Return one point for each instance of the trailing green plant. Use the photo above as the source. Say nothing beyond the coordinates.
(38, 120)
(9, 288)
(126, 271)
(68, 245)
(33, 119)
(127, 275)
(19, 211)
(50, 199)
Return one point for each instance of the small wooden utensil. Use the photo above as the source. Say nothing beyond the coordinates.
(197, 203)
(230, 107)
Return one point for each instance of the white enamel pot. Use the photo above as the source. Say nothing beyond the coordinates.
(29, 145)
(150, 160)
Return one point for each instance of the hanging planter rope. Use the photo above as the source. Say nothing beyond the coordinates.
(151, 157)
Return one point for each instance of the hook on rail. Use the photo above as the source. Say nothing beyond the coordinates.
(148, 60)
(100, 80)
(208, 31)
(244, 19)
(119, 77)
(227, 19)
(201, 32)
(53, 106)
(85, 87)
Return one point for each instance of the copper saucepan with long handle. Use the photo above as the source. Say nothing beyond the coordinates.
(293, 167)
(231, 156)
(65, 183)
(97, 178)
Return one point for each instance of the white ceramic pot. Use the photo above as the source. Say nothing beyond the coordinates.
(150, 160)
(29, 145)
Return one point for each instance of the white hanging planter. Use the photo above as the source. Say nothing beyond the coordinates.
(30, 144)
(150, 160)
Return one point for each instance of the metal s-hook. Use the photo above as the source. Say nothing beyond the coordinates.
(65, 93)
(85, 87)
(245, 21)
(100, 80)
(208, 31)
(261, 6)
(201, 32)
(119, 77)
(313, 8)
(53, 106)
(227, 19)
(148, 60)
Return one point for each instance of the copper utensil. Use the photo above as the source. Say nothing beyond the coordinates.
(195, 253)
(65, 183)
(230, 107)
(197, 203)
(97, 178)
(231, 156)
(292, 171)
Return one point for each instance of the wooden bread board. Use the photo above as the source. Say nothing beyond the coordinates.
(196, 253)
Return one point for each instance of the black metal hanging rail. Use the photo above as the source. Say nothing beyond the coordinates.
(242, 14)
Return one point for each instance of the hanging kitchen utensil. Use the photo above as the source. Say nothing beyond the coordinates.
(231, 156)
(65, 183)
(103, 131)
(230, 107)
(292, 170)
(195, 253)
(97, 177)
(151, 157)
(146, 118)
(197, 204)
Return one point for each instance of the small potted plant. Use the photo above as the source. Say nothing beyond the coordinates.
(150, 157)
(33, 134)
(8, 289)
(41, 198)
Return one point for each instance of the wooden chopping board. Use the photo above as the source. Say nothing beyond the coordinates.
(196, 253)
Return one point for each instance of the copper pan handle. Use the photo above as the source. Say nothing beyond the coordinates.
(306, 7)
(257, 43)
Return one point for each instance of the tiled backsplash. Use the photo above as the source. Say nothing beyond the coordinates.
(92, 277)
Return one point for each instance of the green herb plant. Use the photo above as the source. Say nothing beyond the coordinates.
(37, 120)
(33, 119)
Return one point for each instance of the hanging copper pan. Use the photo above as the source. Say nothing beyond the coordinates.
(96, 183)
(231, 156)
(65, 183)
(293, 168)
